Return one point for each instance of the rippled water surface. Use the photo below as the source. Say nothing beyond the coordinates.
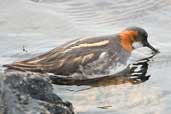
(31, 27)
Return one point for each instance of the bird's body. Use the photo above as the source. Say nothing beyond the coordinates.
(93, 55)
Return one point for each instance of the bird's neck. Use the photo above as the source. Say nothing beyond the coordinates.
(127, 38)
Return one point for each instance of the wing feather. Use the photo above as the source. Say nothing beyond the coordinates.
(67, 58)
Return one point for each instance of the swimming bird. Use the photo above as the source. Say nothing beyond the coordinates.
(92, 55)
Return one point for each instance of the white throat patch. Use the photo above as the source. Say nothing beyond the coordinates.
(137, 45)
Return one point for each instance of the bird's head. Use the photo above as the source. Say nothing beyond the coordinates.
(135, 37)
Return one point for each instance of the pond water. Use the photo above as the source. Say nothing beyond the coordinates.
(31, 27)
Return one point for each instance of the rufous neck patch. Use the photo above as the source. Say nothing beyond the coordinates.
(127, 38)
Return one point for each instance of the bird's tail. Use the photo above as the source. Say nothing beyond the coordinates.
(21, 66)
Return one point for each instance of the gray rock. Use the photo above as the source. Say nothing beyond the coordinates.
(30, 93)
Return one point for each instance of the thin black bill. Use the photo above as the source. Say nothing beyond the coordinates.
(152, 48)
